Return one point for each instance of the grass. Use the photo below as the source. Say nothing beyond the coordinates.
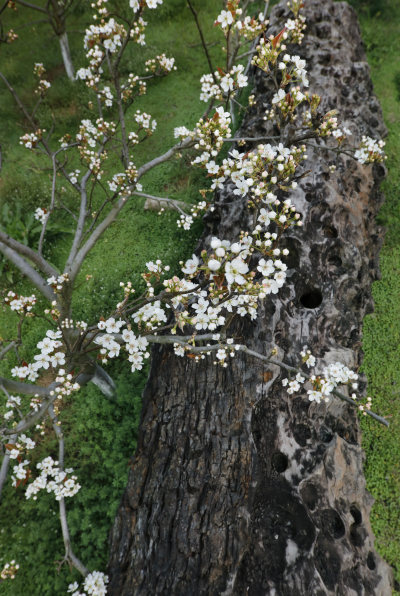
(380, 23)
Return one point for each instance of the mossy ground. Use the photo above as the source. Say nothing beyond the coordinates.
(380, 23)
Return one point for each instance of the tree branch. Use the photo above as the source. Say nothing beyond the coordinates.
(185, 144)
(28, 271)
(25, 388)
(32, 6)
(27, 252)
(5, 464)
(203, 41)
(172, 202)
(5, 350)
(80, 227)
(69, 553)
(17, 100)
(339, 394)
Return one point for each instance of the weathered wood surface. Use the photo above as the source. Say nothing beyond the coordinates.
(236, 487)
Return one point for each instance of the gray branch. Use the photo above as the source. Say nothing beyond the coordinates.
(70, 556)
(28, 271)
(185, 144)
(80, 227)
(5, 464)
(27, 252)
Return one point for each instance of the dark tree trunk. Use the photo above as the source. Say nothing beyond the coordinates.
(237, 487)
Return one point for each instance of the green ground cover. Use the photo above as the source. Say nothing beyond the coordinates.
(380, 23)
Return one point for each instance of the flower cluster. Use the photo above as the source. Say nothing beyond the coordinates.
(268, 52)
(293, 70)
(137, 32)
(323, 384)
(39, 70)
(136, 4)
(370, 150)
(250, 27)
(135, 346)
(49, 355)
(9, 570)
(100, 40)
(23, 443)
(41, 215)
(57, 283)
(88, 137)
(295, 29)
(329, 125)
(43, 85)
(60, 482)
(185, 221)
(20, 304)
(258, 172)
(225, 19)
(20, 473)
(287, 102)
(181, 132)
(89, 75)
(160, 65)
(108, 34)
(221, 84)
(106, 96)
(210, 134)
(307, 357)
(65, 385)
(363, 408)
(150, 316)
(340, 134)
(145, 122)
(31, 140)
(131, 84)
(11, 36)
(13, 402)
(95, 583)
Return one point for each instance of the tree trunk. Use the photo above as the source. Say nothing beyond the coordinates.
(237, 487)
(66, 55)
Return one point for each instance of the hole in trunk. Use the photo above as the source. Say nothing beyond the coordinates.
(371, 561)
(309, 495)
(311, 298)
(356, 513)
(279, 462)
(330, 232)
(332, 523)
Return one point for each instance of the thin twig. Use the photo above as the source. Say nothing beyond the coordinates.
(203, 41)
(70, 556)
(5, 464)
(172, 202)
(5, 350)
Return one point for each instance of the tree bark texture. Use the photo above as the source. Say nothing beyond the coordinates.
(236, 487)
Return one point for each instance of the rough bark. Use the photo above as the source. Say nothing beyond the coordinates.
(236, 487)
